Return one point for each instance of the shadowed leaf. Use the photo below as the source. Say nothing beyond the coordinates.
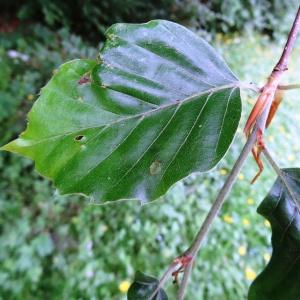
(280, 279)
(142, 288)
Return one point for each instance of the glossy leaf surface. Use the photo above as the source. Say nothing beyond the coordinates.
(281, 277)
(143, 287)
(159, 105)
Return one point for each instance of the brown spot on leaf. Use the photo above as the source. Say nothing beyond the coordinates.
(155, 167)
(84, 79)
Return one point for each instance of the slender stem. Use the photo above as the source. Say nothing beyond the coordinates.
(247, 148)
(280, 67)
(222, 195)
(280, 174)
(283, 61)
(185, 280)
(164, 278)
(288, 87)
(271, 161)
(195, 246)
(250, 86)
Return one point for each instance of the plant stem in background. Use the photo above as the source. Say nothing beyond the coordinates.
(280, 174)
(164, 278)
(283, 61)
(222, 195)
(265, 100)
(288, 87)
(195, 247)
(257, 123)
(270, 87)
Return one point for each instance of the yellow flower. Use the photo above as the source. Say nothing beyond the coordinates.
(30, 97)
(251, 101)
(227, 40)
(250, 201)
(242, 250)
(246, 222)
(219, 36)
(223, 171)
(124, 286)
(291, 157)
(250, 274)
(228, 219)
(241, 176)
(267, 257)
(282, 129)
(103, 228)
(267, 223)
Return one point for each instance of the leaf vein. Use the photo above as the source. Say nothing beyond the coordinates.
(147, 149)
(186, 138)
(223, 120)
(162, 107)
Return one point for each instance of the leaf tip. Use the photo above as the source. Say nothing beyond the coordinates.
(8, 147)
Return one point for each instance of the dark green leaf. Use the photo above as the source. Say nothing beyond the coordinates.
(142, 288)
(281, 277)
(160, 105)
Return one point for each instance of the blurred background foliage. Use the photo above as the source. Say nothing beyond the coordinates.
(90, 18)
(63, 247)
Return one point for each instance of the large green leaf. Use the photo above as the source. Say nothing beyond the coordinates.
(281, 277)
(159, 105)
(143, 287)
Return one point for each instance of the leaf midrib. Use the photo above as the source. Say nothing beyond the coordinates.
(143, 114)
(163, 129)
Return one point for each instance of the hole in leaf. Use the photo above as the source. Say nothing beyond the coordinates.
(79, 138)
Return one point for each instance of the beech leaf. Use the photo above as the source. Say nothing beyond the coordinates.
(280, 279)
(143, 287)
(157, 105)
